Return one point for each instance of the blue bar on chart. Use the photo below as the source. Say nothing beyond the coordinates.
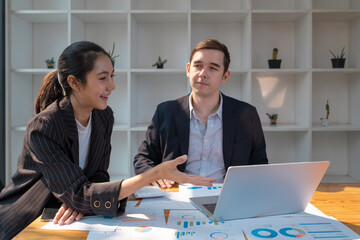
(181, 234)
(208, 188)
(187, 224)
(194, 187)
(323, 230)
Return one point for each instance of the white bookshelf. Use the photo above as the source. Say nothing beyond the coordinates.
(302, 30)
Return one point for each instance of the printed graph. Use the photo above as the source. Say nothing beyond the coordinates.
(270, 233)
(143, 229)
(219, 235)
(323, 230)
(289, 232)
(310, 230)
(187, 224)
(203, 188)
(264, 233)
(292, 232)
(179, 235)
(192, 224)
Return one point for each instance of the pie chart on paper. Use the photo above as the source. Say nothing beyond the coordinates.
(143, 229)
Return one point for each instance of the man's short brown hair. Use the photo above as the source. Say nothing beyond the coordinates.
(216, 45)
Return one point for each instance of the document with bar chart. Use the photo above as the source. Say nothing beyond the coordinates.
(304, 228)
(192, 224)
(199, 191)
(135, 233)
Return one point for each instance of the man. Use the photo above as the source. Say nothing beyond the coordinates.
(214, 130)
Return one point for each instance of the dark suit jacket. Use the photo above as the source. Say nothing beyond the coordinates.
(49, 165)
(167, 136)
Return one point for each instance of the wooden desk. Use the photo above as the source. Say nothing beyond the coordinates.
(340, 200)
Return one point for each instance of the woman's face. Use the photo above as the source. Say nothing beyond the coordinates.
(99, 84)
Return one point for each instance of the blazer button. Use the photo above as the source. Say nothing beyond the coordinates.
(97, 203)
(108, 204)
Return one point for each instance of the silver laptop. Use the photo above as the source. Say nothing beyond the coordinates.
(262, 190)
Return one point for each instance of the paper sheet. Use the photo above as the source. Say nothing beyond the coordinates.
(192, 224)
(93, 223)
(139, 217)
(149, 192)
(134, 217)
(147, 221)
(135, 233)
(200, 191)
(166, 203)
(303, 227)
(130, 205)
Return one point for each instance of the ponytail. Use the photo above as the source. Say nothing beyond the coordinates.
(50, 91)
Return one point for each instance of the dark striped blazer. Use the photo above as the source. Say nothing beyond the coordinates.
(49, 165)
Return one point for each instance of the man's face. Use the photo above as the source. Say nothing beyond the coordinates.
(206, 72)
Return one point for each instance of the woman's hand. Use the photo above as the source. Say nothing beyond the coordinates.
(168, 170)
(66, 215)
(163, 183)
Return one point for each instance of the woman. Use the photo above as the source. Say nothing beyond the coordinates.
(66, 148)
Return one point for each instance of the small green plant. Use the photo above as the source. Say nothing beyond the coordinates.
(275, 53)
(50, 62)
(111, 53)
(272, 116)
(341, 56)
(327, 107)
(159, 63)
(324, 121)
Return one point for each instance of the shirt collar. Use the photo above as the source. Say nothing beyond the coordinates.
(217, 113)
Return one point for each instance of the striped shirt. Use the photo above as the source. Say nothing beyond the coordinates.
(205, 156)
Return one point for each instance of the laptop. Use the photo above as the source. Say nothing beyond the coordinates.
(263, 190)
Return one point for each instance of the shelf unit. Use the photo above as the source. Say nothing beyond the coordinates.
(303, 30)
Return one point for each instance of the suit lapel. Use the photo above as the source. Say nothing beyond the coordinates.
(70, 128)
(97, 143)
(229, 129)
(182, 122)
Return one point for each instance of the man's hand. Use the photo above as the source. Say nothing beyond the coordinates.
(66, 215)
(163, 183)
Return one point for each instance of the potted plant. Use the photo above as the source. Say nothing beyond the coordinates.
(324, 121)
(159, 63)
(111, 53)
(50, 63)
(273, 118)
(338, 61)
(274, 62)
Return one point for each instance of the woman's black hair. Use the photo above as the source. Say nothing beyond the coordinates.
(77, 59)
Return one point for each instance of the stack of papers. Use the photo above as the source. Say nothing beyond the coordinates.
(148, 192)
(147, 221)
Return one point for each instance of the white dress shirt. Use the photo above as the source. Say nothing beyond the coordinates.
(205, 156)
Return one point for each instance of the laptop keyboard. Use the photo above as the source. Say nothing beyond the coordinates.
(210, 207)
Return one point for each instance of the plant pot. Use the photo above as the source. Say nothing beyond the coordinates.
(160, 65)
(50, 65)
(324, 122)
(338, 62)
(113, 63)
(274, 63)
(273, 122)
